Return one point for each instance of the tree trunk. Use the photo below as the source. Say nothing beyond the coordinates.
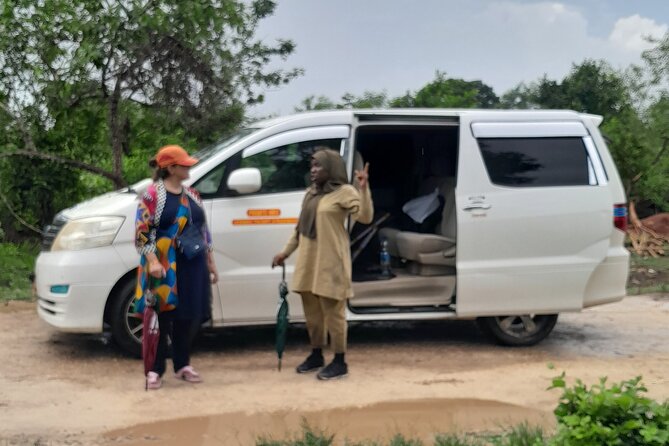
(116, 135)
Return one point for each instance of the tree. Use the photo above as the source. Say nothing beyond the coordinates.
(311, 103)
(519, 97)
(442, 92)
(657, 62)
(369, 99)
(84, 81)
(195, 63)
(445, 92)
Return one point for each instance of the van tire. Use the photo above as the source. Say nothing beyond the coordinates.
(517, 331)
(121, 323)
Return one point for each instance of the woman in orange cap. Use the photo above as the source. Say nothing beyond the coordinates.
(183, 292)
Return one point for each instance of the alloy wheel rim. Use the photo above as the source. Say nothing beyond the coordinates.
(519, 326)
(134, 325)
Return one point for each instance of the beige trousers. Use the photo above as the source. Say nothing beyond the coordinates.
(325, 315)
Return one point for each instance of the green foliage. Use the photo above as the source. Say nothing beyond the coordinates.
(457, 440)
(657, 60)
(104, 84)
(401, 440)
(444, 92)
(309, 437)
(312, 103)
(591, 87)
(369, 99)
(618, 414)
(521, 435)
(17, 261)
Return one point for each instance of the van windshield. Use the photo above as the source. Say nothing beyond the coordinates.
(222, 144)
(201, 155)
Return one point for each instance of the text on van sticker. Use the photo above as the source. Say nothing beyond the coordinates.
(264, 221)
(263, 212)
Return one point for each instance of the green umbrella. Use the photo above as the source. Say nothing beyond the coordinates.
(282, 317)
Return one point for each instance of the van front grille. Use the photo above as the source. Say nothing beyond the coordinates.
(51, 231)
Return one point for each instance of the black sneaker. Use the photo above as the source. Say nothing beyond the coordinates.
(310, 364)
(334, 370)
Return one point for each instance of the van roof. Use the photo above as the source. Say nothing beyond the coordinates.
(346, 116)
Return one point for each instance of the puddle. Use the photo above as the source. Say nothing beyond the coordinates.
(413, 418)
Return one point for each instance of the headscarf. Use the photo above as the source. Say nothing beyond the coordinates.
(335, 167)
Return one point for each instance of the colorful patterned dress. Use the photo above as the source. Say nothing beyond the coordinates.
(161, 216)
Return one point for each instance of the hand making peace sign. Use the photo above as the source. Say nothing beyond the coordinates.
(363, 176)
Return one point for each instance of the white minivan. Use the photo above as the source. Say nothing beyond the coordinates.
(528, 222)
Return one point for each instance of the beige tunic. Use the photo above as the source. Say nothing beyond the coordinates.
(323, 265)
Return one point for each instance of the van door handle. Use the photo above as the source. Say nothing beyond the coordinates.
(473, 206)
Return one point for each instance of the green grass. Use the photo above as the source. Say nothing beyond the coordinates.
(17, 261)
(521, 435)
(642, 280)
(659, 263)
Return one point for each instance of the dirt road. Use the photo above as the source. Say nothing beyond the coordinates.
(415, 378)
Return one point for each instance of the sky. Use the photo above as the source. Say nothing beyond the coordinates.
(350, 46)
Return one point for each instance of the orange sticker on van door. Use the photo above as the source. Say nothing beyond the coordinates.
(264, 221)
(263, 212)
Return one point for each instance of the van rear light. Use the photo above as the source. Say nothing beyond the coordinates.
(620, 216)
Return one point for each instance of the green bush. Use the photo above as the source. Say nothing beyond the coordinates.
(17, 261)
(603, 415)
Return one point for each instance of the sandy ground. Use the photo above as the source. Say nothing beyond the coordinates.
(416, 378)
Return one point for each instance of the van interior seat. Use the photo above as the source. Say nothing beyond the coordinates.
(433, 254)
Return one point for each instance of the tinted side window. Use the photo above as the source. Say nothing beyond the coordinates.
(286, 168)
(536, 162)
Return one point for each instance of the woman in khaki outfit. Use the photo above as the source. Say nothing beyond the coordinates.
(323, 269)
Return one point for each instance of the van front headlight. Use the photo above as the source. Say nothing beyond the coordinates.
(86, 233)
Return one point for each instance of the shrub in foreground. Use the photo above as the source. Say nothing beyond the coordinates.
(613, 415)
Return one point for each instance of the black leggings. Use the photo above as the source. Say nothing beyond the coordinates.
(181, 333)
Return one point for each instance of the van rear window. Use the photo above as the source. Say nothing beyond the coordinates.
(536, 162)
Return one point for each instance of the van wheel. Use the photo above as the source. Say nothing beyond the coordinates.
(126, 327)
(522, 330)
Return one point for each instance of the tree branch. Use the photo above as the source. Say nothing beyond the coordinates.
(69, 162)
(17, 216)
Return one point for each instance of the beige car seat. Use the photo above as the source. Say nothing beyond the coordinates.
(432, 254)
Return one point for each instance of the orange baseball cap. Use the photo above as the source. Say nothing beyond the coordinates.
(173, 154)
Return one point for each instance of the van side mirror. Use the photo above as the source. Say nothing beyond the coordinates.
(245, 180)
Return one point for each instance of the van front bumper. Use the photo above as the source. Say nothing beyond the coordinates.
(73, 287)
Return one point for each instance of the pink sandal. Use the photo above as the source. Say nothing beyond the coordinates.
(188, 374)
(153, 381)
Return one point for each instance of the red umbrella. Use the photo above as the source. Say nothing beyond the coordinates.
(151, 333)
